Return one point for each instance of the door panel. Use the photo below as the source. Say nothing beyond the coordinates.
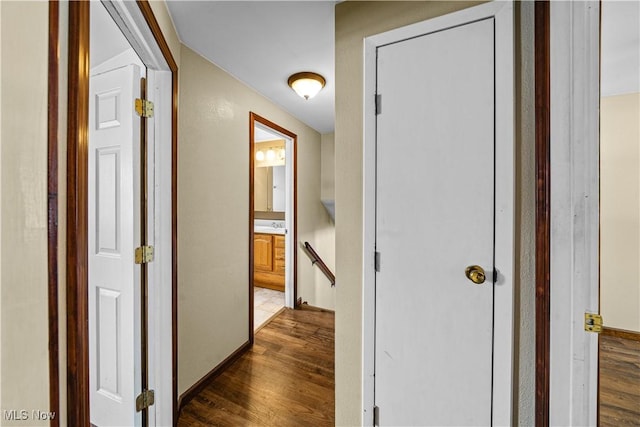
(263, 252)
(435, 217)
(114, 227)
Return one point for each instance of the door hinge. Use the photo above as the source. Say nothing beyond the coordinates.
(145, 399)
(376, 416)
(592, 322)
(144, 108)
(144, 254)
(376, 261)
(378, 104)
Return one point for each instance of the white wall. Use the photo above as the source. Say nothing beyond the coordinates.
(23, 207)
(354, 21)
(620, 211)
(213, 213)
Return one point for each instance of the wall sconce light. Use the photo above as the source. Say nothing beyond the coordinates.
(259, 155)
(306, 84)
(271, 154)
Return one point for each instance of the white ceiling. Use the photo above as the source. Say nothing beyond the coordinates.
(620, 47)
(262, 43)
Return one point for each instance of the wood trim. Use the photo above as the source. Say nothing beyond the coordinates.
(149, 16)
(52, 210)
(77, 239)
(253, 118)
(621, 333)
(203, 382)
(543, 209)
(305, 306)
(251, 221)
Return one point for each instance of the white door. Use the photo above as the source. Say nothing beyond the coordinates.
(114, 230)
(434, 218)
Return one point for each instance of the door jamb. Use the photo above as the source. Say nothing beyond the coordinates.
(253, 119)
(503, 14)
(574, 210)
(77, 162)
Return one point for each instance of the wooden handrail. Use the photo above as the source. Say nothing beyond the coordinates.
(316, 260)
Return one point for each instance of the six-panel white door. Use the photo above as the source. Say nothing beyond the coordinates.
(114, 230)
(435, 217)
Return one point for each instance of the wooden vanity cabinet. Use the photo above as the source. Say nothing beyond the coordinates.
(268, 261)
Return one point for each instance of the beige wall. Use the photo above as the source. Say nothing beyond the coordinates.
(213, 270)
(23, 244)
(620, 211)
(328, 152)
(354, 21)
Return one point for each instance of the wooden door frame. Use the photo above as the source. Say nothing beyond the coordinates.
(77, 191)
(543, 209)
(253, 119)
(503, 13)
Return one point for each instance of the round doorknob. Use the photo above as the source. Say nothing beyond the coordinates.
(475, 273)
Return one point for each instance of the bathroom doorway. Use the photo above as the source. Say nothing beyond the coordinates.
(272, 221)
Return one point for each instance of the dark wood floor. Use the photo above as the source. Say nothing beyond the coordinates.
(619, 381)
(286, 379)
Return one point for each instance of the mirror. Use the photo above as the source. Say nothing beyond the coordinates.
(269, 179)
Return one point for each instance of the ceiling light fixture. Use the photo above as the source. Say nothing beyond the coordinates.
(306, 84)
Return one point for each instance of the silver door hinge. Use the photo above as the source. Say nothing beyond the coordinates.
(376, 261)
(376, 416)
(378, 104)
(145, 399)
(592, 322)
(144, 108)
(144, 254)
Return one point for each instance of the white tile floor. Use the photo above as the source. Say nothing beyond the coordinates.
(266, 303)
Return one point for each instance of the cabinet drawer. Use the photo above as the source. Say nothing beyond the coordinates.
(278, 260)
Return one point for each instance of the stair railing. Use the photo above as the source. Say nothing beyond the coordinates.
(316, 260)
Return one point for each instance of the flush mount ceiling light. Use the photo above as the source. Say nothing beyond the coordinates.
(306, 84)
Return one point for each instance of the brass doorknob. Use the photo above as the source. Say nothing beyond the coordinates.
(475, 273)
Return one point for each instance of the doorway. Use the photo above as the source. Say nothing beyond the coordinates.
(118, 322)
(108, 343)
(272, 220)
(438, 217)
(619, 355)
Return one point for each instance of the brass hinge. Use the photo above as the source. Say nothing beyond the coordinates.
(592, 322)
(144, 254)
(144, 108)
(145, 399)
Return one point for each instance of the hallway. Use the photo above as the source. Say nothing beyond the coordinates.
(286, 379)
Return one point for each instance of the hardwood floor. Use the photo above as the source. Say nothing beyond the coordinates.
(619, 381)
(286, 379)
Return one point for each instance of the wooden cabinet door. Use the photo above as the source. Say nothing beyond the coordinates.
(263, 252)
(278, 255)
